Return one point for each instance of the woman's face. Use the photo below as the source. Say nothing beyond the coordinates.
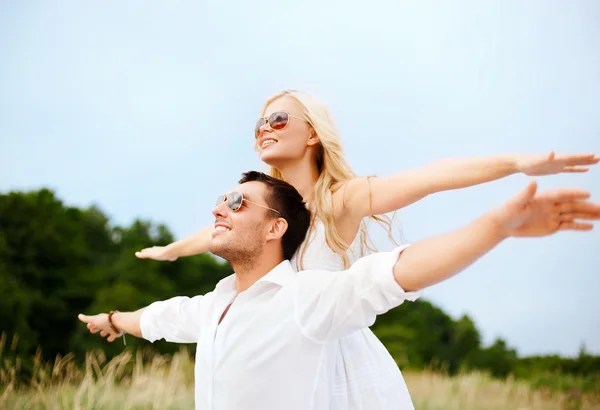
(285, 135)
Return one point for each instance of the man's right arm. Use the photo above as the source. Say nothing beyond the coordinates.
(128, 322)
(175, 320)
(123, 322)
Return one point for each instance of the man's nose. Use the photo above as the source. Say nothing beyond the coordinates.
(221, 210)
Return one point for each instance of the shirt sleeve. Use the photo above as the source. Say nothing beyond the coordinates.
(330, 305)
(175, 320)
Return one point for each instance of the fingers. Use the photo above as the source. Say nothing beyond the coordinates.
(578, 159)
(143, 254)
(527, 194)
(566, 194)
(570, 217)
(570, 168)
(88, 320)
(584, 160)
(93, 328)
(103, 332)
(570, 212)
(156, 252)
(587, 208)
(147, 252)
(575, 226)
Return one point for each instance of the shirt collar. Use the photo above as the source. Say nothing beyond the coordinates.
(279, 275)
(226, 285)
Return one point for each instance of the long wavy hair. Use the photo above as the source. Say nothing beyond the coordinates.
(333, 170)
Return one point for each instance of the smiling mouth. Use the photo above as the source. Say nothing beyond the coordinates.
(267, 142)
(219, 230)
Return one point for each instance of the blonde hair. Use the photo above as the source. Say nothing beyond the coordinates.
(333, 170)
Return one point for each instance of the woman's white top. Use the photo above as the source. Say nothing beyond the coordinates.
(364, 376)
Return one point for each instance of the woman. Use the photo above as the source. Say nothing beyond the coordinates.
(296, 137)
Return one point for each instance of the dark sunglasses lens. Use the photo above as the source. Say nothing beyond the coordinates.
(259, 123)
(220, 200)
(278, 120)
(234, 201)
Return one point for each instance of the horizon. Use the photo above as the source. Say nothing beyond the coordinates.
(131, 107)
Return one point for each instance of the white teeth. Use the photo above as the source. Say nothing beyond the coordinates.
(221, 228)
(267, 142)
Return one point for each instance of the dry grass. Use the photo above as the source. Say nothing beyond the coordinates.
(477, 391)
(126, 383)
(122, 383)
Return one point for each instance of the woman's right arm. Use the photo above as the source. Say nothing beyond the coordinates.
(192, 245)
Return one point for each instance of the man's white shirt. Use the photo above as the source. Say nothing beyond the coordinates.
(273, 350)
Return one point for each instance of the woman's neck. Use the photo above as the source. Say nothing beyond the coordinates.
(303, 176)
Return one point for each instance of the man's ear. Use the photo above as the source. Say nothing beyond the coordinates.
(277, 229)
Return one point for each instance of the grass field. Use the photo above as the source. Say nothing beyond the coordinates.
(125, 383)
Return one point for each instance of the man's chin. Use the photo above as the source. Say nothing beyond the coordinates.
(215, 246)
(221, 246)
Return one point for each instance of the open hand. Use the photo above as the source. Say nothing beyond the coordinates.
(158, 253)
(99, 323)
(532, 215)
(548, 164)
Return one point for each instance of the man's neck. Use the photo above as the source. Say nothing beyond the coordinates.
(302, 175)
(247, 276)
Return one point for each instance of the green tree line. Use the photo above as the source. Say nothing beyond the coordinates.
(57, 261)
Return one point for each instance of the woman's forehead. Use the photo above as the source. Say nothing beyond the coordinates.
(284, 103)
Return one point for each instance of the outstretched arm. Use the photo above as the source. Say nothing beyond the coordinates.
(175, 320)
(124, 322)
(192, 245)
(525, 215)
(334, 304)
(400, 190)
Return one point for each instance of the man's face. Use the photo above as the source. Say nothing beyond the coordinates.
(239, 236)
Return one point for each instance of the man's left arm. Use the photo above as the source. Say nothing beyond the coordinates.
(330, 305)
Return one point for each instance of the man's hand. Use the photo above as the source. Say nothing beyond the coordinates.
(548, 164)
(158, 253)
(99, 323)
(527, 214)
(533, 215)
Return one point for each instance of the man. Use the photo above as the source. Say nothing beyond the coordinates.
(264, 333)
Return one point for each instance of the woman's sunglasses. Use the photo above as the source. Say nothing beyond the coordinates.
(277, 121)
(236, 199)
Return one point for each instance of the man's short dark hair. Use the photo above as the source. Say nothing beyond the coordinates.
(284, 198)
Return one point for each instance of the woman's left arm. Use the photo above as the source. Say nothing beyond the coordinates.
(400, 190)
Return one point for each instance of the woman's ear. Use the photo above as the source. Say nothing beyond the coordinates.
(313, 139)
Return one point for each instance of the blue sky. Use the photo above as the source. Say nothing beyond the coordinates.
(146, 108)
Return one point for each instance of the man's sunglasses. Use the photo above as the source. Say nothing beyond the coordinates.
(236, 199)
(277, 121)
